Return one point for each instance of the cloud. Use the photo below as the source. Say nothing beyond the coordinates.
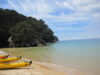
(61, 14)
(64, 4)
(43, 8)
(35, 7)
(67, 29)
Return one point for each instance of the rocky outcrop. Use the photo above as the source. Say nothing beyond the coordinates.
(32, 44)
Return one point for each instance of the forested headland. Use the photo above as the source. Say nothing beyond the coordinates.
(18, 30)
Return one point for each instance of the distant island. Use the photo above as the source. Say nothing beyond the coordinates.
(17, 30)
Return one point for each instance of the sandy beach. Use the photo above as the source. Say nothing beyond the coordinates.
(40, 69)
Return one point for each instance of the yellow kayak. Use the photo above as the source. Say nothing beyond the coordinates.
(15, 65)
(10, 59)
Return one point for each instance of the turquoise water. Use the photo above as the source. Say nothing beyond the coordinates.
(80, 54)
(83, 55)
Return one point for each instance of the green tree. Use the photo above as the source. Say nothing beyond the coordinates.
(8, 19)
(23, 34)
(22, 30)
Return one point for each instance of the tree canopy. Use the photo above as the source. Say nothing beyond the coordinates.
(23, 31)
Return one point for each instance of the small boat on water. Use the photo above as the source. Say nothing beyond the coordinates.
(11, 65)
(9, 59)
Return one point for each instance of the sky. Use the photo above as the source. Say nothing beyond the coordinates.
(69, 19)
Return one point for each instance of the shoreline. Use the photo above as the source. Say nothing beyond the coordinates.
(39, 68)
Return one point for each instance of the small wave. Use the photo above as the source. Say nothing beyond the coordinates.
(67, 70)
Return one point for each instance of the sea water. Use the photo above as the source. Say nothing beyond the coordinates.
(83, 55)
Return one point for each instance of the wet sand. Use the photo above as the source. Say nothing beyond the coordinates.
(41, 69)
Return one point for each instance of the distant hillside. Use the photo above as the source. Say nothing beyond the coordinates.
(17, 30)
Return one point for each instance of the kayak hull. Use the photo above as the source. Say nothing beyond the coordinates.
(14, 65)
(10, 59)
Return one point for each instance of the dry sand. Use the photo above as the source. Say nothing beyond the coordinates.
(41, 69)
